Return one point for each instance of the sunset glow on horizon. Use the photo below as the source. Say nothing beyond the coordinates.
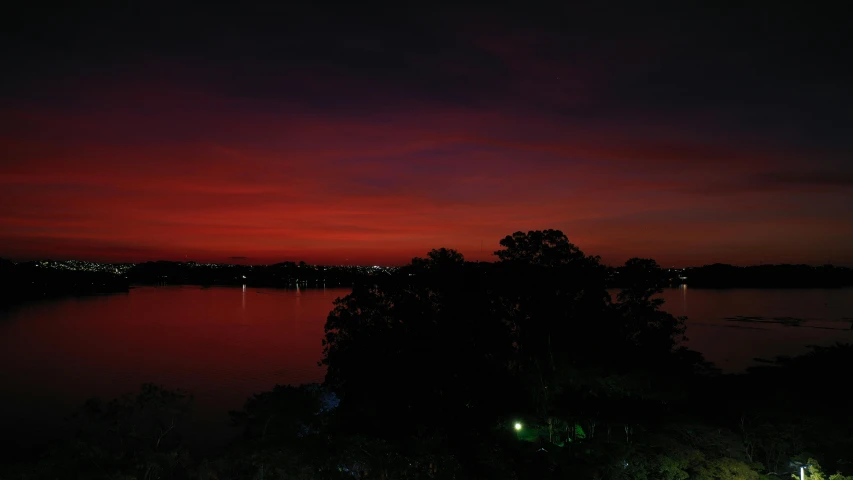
(389, 148)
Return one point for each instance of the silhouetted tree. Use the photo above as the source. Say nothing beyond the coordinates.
(432, 362)
(286, 412)
(133, 436)
(644, 326)
(443, 256)
(539, 247)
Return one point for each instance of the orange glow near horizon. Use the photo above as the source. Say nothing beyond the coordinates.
(181, 175)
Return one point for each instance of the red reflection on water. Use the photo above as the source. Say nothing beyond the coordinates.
(224, 344)
(221, 344)
(733, 327)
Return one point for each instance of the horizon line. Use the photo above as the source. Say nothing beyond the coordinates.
(392, 265)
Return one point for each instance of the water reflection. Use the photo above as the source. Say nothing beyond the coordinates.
(733, 327)
(54, 355)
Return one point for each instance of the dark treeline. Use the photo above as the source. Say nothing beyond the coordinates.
(522, 368)
(720, 275)
(285, 274)
(28, 281)
(33, 280)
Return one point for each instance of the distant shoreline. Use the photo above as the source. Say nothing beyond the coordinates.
(24, 282)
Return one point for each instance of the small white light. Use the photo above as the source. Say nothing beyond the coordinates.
(517, 426)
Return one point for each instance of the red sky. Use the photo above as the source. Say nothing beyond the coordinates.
(157, 158)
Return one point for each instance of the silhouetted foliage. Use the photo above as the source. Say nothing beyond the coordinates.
(422, 349)
(644, 326)
(133, 436)
(411, 353)
(540, 247)
(286, 412)
(430, 367)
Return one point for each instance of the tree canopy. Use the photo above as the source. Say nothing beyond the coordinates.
(540, 247)
(528, 367)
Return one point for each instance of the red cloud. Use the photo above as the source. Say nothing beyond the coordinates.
(163, 175)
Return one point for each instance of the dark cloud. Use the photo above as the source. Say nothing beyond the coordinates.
(819, 180)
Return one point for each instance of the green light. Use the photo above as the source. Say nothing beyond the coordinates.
(517, 426)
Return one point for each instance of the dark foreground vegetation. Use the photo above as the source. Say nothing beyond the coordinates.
(522, 368)
(43, 279)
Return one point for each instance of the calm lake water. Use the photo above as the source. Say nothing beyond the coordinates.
(223, 344)
(732, 327)
(220, 344)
